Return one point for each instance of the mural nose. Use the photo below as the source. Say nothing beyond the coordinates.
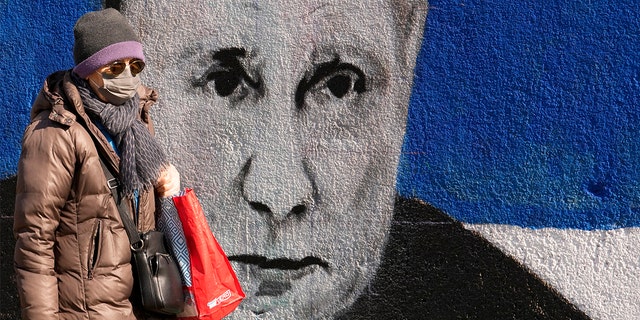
(277, 186)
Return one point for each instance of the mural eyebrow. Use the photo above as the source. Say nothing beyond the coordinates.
(324, 70)
(226, 61)
(226, 54)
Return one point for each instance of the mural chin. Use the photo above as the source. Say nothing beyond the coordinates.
(311, 293)
(320, 271)
(291, 140)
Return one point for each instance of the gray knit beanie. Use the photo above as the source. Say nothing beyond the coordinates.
(102, 37)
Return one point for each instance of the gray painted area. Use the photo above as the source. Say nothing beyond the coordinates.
(287, 118)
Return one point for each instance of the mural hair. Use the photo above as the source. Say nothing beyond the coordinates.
(111, 4)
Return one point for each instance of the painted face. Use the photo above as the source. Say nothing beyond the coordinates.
(287, 118)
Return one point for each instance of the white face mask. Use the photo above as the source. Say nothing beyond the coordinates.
(119, 89)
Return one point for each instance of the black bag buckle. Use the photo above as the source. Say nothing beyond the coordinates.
(113, 183)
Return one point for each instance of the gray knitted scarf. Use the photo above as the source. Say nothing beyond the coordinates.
(141, 157)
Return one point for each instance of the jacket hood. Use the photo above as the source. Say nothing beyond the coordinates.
(51, 98)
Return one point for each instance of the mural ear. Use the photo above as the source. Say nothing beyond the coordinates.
(410, 17)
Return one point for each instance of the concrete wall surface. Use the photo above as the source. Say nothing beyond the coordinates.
(382, 159)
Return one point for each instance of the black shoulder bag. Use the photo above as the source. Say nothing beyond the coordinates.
(157, 281)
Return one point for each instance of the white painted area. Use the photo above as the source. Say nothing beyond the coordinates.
(599, 271)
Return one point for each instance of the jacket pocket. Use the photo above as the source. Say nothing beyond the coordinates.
(95, 246)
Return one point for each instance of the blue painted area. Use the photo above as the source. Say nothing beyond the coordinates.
(36, 40)
(526, 113)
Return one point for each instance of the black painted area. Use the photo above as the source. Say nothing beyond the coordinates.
(433, 268)
(9, 303)
(112, 4)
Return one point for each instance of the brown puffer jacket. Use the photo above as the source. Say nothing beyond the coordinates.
(72, 252)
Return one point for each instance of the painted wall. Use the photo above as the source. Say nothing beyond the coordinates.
(519, 147)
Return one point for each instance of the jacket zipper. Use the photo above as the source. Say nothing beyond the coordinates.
(94, 249)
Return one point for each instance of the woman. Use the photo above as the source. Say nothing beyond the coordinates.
(72, 253)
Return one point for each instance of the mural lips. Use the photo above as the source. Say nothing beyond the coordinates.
(275, 275)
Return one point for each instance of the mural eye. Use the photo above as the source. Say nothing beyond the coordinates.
(227, 75)
(340, 85)
(333, 78)
(224, 83)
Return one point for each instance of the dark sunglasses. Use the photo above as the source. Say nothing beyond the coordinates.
(117, 67)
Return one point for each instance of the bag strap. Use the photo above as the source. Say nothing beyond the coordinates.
(113, 183)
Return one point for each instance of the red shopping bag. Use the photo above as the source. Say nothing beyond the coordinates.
(215, 289)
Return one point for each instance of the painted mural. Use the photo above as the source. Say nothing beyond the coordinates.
(383, 159)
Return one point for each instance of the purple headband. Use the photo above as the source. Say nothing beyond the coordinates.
(120, 50)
